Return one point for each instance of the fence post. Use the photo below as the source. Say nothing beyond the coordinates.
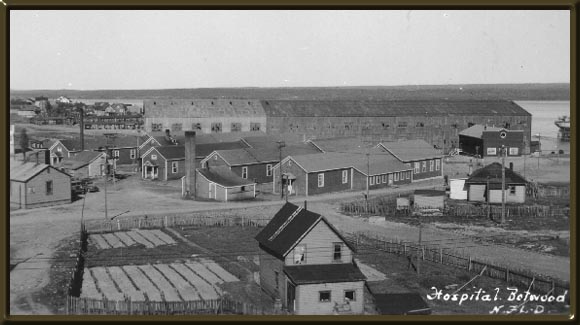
(118, 225)
(507, 275)
(165, 224)
(469, 266)
(441, 255)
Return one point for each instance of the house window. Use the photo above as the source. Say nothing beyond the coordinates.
(437, 164)
(431, 163)
(512, 190)
(156, 126)
(255, 126)
(324, 296)
(196, 126)
(383, 179)
(132, 153)
(269, 170)
(402, 124)
(337, 256)
(513, 151)
(320, 180)
(174, 167)
(244, 172)
(344, 176)
(390, 179)
(491, 151)
(424, 169)
(176, 127)
(408, 165)
(349, 295)
(236, 127)
(116, 153)
(31, 190)
(371, 180)
(216, 127)
(417, 167)
(377, 179)
(153, 157)
(276, 276)
(409, 175)
(49, 188)
(59, 149)
(396, 177)
(300, 254)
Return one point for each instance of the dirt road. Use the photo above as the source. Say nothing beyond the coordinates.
(35, 234)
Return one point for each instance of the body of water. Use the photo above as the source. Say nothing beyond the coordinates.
(544, 113)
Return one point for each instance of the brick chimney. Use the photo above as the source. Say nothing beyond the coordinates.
(190, 186)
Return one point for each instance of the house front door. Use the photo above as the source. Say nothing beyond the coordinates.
(154, 172)
(291, 297)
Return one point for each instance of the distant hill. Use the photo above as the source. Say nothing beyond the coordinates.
(554, 91)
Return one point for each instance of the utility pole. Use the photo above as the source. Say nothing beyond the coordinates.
(503, 152)
(280, 145)
(368, 179)
(420, 252)
(487, 198)
(539, 151)
(106, 179)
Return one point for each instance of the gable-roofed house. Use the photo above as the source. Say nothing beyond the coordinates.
(485, 184)
(85, 164)
(426, 161)
(35, 185)
(307, 264)
(57, 150)
(254, 164)
(336, 171)
(221, 184)
(483, 140)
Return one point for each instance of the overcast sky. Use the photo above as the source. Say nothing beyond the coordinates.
(199, 49)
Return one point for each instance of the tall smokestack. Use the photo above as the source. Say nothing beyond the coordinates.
(190, 164)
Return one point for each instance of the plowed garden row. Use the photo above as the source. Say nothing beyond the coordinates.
(197, 279)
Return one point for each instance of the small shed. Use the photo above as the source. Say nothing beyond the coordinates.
(35, 185)
(401, 304)
(221, 184)
(429, 199)
(457, 189)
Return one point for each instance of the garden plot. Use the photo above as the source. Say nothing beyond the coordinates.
(193, 280)
(146, 237)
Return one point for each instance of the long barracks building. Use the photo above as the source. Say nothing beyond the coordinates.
(438, 122)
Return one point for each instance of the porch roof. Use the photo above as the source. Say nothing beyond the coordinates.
(324, 273)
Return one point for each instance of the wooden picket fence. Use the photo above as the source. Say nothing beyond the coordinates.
(389, 208)
(151, 222)
(76, 280)
(519, 278)
(88, 306)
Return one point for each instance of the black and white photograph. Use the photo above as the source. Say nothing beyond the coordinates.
(347, 163)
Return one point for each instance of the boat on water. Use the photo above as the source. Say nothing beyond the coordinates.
(563, 122)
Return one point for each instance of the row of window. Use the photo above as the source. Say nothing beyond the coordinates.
(300, 253)
(513, 151)
(383, 179)
(49, 188)
(245, 171)
(216, 127)
(132, 153)
(421, 167)
(326, 296)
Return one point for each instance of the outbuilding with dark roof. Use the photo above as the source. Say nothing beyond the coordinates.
(85, 164)
(486, 184)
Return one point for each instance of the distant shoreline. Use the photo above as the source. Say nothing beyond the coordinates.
(523, 92)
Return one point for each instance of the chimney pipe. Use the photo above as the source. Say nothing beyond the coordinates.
(305, 205)
(190, 164)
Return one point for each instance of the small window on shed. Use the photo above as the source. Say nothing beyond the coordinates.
(402, 124)
(255, 126)
(324, 296)
(216, 127)
(349, 295)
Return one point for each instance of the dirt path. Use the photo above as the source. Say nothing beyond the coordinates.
(36, 233)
